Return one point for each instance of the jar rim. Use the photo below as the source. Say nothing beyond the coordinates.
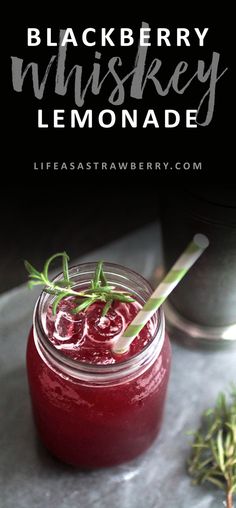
(71, 365)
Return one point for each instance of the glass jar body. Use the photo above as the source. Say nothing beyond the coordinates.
(91, 424)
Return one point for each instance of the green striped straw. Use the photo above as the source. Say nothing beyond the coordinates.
(177, 272)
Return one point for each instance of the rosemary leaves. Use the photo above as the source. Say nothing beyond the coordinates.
(213, 457)
(99, 289)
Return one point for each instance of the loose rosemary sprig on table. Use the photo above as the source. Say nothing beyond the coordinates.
(213, 457)
(99, 290)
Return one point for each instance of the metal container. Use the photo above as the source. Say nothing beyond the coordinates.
(202, 308)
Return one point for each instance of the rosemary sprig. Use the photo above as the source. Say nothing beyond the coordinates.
(213, 457)
(99, 290)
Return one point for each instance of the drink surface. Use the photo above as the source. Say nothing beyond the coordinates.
(88, 336)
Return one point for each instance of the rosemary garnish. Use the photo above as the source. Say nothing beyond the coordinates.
(99, 290)
(213, 457)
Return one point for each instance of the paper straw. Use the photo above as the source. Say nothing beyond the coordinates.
(177, 272)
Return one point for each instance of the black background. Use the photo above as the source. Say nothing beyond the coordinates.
(211, 144)
(44, 211)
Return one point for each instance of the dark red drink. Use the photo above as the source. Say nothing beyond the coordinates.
(93, 408)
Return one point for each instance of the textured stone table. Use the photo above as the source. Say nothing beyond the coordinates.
(31, 478)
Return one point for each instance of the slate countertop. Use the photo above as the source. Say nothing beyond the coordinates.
(31, 478)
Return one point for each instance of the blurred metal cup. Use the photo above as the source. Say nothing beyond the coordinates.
(202, 308)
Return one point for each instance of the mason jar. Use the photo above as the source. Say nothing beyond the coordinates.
(202, 308)
(94, 415)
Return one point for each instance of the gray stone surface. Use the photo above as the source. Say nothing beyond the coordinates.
(31, 478)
